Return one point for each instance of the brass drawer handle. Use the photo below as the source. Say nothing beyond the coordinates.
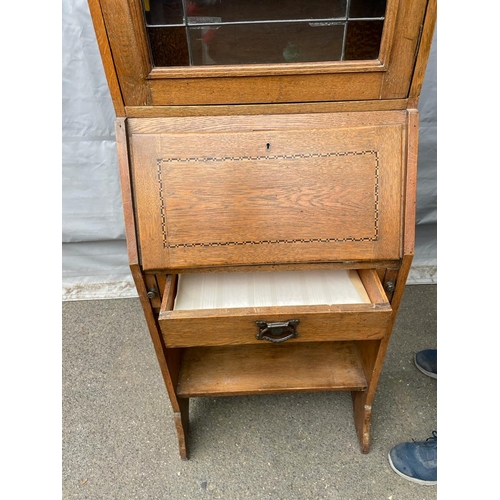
(279, 331)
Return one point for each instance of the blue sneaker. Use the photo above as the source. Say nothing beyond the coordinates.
(416, 461)
(426, 362)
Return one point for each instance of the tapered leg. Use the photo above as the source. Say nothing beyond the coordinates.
(181, 420)
(362, 419)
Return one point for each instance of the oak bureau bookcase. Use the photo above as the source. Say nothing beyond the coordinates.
(268, 163)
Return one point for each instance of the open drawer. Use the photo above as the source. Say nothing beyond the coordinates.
(220, 309)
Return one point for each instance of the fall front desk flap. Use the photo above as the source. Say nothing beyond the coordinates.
(249, 190)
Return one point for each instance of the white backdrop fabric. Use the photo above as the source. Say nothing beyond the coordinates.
(94, 255)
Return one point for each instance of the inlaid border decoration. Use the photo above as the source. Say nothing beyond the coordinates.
(161, 161)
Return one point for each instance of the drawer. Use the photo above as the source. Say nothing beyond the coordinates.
(220, 309)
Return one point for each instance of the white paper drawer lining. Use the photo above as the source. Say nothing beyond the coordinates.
(266, 289)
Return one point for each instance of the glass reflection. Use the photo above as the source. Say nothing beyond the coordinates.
(206, 32)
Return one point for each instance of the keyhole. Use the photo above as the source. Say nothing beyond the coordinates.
(268, 146)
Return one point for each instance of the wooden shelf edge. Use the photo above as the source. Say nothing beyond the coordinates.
(270, 369)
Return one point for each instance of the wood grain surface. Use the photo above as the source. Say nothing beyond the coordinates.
(298, 190)
(267, 369)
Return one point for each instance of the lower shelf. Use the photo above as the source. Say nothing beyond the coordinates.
(269, 368)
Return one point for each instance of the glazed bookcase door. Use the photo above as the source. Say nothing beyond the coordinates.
(185, 52)
(235, 32)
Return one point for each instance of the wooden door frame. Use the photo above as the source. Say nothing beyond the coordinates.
(123, 41)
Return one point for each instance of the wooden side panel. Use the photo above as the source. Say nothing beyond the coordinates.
(423, 53)
(397, 79)
(410, 207)
(129, 47)
(169, 360)
(107, 58)
(126, 190)
(287, 193)
(381, 351)
(373, 353)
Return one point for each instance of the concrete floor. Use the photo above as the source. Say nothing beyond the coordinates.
(119, 440)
